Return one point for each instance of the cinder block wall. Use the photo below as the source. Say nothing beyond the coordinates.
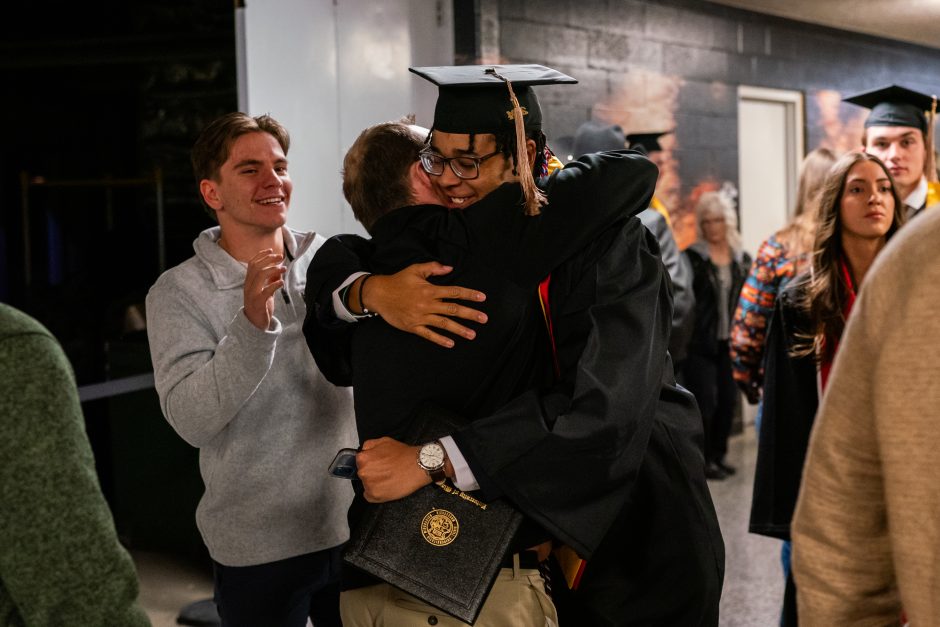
(652, 65)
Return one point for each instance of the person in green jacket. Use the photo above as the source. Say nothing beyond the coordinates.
(60, 560)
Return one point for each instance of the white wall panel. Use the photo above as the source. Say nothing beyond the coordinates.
(327, 69)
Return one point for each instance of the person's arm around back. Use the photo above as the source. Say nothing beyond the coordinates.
(60, 560)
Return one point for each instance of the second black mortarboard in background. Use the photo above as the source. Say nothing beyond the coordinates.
(646, 142)
(894, 106)
(472, 99)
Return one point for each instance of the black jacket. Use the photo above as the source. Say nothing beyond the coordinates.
(705, 287)
(787, 415)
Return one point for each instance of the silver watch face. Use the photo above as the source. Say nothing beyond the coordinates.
(431, 456)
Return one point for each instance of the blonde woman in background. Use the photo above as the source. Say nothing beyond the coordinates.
(718, 269)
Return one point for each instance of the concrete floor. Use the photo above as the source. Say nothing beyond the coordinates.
(168, 583)
(753, 590)
(753, 586)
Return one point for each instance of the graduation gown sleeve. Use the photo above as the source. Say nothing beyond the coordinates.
(568, 458)
(328, 338)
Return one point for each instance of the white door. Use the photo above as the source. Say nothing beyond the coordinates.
(770, 148)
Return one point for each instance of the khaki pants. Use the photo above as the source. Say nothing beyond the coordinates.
(517, 599)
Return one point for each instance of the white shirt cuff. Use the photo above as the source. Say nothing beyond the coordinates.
(342, 313)
(463, 476)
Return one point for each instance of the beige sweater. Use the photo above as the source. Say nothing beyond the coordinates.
(866, 533)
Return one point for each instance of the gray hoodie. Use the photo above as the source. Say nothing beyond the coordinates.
(266, 422)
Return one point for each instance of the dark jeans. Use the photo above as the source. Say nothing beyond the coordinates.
(282, 593)
(709, 379)
(788, 616)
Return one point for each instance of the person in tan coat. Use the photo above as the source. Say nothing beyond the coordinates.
(866, 532)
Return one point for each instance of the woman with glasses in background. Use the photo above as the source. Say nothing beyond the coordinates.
(718, 268)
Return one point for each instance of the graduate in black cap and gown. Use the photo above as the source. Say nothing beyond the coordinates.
(899, 131)
(607, 458)
(648, 144)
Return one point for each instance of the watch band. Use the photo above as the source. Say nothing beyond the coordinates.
(438, 475)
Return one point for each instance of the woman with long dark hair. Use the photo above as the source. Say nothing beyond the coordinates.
(859, 212)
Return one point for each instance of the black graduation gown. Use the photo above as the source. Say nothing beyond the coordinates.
(610, 459)
(787, 416)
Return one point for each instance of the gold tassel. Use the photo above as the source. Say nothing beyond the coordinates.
(534, 197)
(930, 163)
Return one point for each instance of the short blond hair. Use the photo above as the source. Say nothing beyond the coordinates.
(715, 203)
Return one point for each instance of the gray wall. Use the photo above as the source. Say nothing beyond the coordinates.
(651, 65)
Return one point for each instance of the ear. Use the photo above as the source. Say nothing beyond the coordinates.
(420, 180)
(419, 176)
(422, 190)
(530, 148)
(210, 193)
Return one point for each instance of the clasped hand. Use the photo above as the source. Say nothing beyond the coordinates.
(262, 281)
(389, 470)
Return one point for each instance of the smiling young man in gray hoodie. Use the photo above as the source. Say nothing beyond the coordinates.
(236, 380)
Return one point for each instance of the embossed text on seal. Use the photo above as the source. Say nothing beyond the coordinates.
(439, 527)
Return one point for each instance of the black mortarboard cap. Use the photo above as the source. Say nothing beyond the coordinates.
(646, 142)
(594, 136)
(894, 106)
(473, 99)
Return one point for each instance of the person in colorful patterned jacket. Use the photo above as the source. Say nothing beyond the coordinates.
(778, 260)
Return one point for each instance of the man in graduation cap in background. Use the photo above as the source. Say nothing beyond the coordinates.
(648, 144)
(594, 136)
(608, 458)
(899, 131)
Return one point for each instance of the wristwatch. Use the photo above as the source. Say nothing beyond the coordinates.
(431, 458)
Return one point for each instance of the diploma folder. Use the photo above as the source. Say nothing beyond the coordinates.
(439, 544)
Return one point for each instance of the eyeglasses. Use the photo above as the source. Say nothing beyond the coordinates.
(464, 167)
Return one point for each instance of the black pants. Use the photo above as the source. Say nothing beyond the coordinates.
(281, 594)
(709, 379)
(788, 616)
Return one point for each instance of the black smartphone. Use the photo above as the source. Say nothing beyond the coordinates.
(344, 464)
